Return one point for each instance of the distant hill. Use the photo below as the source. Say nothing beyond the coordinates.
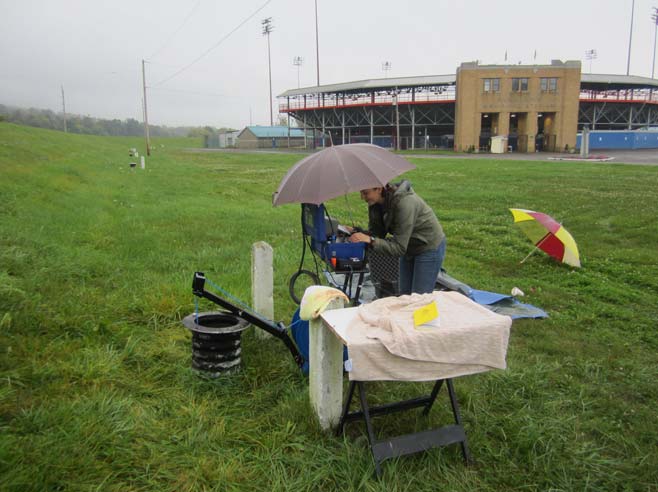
(45, 118)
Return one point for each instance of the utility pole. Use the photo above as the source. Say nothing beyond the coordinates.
(630, 41)
(64, 109)
(146, 118)
(267, 29)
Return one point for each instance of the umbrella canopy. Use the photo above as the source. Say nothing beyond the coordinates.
(338, 170)
(548, 235)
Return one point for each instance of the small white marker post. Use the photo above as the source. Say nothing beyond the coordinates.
(262, 282)
(326, 371)
(143, 162)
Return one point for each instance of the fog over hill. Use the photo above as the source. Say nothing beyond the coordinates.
(85, 124)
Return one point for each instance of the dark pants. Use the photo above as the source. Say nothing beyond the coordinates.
(418, 273)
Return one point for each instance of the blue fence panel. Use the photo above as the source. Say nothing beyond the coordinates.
(646, 140)
(620, 140)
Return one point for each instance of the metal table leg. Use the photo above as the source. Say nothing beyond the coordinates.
(410, 443)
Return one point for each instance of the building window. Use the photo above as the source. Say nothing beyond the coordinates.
(491, 85)
(519, 85)
(548, 84)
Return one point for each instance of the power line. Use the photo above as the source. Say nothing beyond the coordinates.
(157, 52)
(215, 45)
(166, 89)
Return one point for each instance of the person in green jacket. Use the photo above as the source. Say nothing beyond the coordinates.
(401, 224)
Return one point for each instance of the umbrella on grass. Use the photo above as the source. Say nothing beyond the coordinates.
(548, 235)
(337, 171)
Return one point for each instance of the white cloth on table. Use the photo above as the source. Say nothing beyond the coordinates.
(383, 343)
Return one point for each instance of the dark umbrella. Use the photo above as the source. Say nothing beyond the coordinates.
(339, 170)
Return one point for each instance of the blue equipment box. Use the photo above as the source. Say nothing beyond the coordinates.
(344, 250)
(323, 231)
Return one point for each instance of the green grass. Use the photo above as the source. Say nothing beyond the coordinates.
(96, 263)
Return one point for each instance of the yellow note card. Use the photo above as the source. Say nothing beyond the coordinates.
(425, 314)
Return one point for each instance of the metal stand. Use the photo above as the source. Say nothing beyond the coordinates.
(409, 443)
(348, 284)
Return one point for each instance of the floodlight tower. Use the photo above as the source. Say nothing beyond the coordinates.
(386, 66)
(267, 29)
(298, 61)
(590, 55)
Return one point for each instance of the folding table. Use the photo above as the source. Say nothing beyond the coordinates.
(339, 321)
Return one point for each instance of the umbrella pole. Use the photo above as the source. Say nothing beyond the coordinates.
(536, 248)
(524, 259)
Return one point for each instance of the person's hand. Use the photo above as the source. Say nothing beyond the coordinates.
(359, 237)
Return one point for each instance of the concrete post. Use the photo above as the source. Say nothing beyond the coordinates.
(326, 371)
(262, 282)
(584, 143)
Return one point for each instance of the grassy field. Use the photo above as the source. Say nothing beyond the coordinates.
(96, 390)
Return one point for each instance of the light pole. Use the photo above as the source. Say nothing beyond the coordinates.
(317, 43)
(397, 119)
(146, 117)
(64, 109)
(298, 61)
(386, 66)
(630, 40)
(267, 29)
(654, 17)
(590, 55)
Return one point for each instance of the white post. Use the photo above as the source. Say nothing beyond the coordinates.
(262, 282)
(326, 371)
(143, 162)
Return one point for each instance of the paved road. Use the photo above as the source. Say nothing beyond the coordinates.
(646, 157)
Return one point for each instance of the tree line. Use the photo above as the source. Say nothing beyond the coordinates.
(45, 118)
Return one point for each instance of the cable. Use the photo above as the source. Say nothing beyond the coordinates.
(157, 52)
(214, 46)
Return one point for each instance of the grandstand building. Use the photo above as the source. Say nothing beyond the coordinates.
(533, 107)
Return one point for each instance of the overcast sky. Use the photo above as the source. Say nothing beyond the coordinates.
(94, 48)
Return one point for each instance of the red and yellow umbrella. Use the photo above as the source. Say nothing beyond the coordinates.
(548, 235)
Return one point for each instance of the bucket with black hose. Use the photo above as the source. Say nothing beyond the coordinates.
(216, 342)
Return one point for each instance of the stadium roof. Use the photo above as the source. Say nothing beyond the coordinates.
(588, 80)
(370, 84)
(613, 82)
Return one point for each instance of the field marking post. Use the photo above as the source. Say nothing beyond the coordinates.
(325, 371)
(262, 282)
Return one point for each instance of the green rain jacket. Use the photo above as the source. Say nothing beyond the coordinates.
(411, 223)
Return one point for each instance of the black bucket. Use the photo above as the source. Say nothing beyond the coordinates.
(215, 342)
